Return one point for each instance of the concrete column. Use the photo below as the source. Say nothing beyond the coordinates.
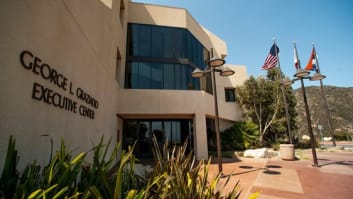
(200, 137)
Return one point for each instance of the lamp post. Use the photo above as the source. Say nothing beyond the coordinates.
(213, 67)
(301, 75)
(321, 137)
(284, 97)
(328, 115)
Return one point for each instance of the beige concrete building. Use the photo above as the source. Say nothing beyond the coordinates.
(80, 70)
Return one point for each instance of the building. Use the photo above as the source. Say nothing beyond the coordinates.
(80, 70)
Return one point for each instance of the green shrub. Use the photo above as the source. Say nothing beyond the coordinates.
(9, 176)
(69, 177)
(242, 135)
(305, 144)
(275, 146)
(343, 136)
(176, 174)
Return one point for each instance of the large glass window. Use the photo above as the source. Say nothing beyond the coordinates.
(145, 45)
(149, 75)
(165, 42)
(172, 132)
(161, 57)
(157, 41)
(156, 76)
(169, 76)
(144, 75)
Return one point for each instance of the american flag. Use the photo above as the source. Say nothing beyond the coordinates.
(272, 58)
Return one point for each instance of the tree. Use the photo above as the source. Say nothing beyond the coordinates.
(278, 129)
(262, 102)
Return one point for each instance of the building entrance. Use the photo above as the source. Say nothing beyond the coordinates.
(171, 132)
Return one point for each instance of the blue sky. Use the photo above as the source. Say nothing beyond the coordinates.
(248, 27)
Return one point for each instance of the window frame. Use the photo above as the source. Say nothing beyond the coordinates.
(192, 54)
(228, 97)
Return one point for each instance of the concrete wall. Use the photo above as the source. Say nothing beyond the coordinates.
(230, 110)
(79, 39)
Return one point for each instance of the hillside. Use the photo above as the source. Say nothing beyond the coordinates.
(340, 103)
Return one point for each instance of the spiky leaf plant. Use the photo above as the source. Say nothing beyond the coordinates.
(178, 175)
(9, 176)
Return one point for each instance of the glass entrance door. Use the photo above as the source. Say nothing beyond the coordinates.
(138, 133)
(141, 132)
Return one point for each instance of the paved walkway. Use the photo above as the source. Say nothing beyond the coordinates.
(277, 179)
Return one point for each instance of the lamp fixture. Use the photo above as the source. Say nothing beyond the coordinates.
(223, 71)
(216, 62)
(286, 81)
(226, 72)
(197, 73)
(317, 76)
(301, 73)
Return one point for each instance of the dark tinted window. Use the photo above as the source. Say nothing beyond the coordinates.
(145, 45)
(229, 94)
(157, 41)
(146, 75)
(156, 76)
(161, 57)
(168, 76)
(171, 132)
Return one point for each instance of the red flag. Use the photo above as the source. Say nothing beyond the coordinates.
(312, 61)
(272, 58)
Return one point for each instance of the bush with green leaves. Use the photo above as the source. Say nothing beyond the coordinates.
(176, 174)
(343, 136)
(242, 135)
(69, 177)
(9, 177)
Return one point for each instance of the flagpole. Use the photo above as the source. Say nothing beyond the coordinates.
(325, 101)
(284, 96)
(306, 106)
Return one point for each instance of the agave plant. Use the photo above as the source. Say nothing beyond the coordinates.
(178, 175)
(57, 178)
(109, 176)
(65, 176)
(9, 176)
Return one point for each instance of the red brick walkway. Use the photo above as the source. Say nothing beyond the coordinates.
(275, 178)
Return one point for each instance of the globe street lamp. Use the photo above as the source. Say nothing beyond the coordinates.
(213, 66)
(301, 75)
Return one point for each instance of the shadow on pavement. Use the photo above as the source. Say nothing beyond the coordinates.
(246, 167)
(243, 172)
(273, 166)
(266, 170)
(269, 172)
(348, 163)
